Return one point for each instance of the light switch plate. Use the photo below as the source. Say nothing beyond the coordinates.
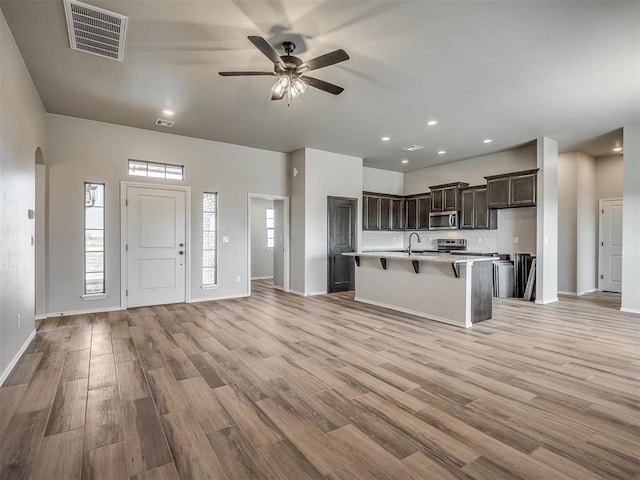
(225, 239)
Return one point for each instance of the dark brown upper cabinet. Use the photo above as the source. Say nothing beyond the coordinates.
(382, 212)
(417, 209)
(516, 189)
(446, 198)
(475, 212)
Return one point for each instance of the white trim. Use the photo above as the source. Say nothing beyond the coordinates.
(286, 234)
(16, 358)
(213, 286)
(262, 278)
(42, 316)
(123, 235)
(278, 287)
(591, 290)
(211, 299)
(84, 312)
(630, 310)
(313, 294)
(436, 318)
(545, 302)
(601, 235)
(295, 292)
(561, 292)
(94, 296)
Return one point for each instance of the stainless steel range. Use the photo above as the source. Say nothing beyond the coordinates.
(447, 245)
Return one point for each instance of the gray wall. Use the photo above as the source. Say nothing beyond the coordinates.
(278, 250)
(298, 220)
(261, 256)
(631, 220)
(84, 150)
(609, 176)
(21, 133)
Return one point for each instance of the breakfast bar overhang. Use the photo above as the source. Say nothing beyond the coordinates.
(452, 289)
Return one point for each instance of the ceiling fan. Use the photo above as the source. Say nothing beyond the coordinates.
(291, 71)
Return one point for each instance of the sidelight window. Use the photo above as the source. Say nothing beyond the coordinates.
(209, 238)
(270, 228)
(94, 278)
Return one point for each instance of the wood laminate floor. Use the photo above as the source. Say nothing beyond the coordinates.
(277, 386)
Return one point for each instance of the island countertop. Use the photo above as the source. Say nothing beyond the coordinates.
(423, 257)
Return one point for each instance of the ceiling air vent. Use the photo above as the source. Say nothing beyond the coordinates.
(412, 148)
(94, 30)
(164, 123)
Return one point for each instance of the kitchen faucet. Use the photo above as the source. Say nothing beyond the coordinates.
(412, 234)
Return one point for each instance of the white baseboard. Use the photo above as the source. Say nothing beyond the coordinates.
(211, 299)
(295, 292)
(630, 310)
(42, 316)
(413, 312)
(545, 302)
(84, 312)
(591, 290)
(262, 278)
(562, 292)
(17, 356)
(313, 294)
(282, 289)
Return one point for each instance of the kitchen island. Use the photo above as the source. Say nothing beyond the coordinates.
(452, 289)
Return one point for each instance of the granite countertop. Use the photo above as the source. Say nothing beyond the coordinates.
(432, 257)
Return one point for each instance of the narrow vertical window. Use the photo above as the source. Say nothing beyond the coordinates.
(209, 238)
(94, 279)
(270, 228)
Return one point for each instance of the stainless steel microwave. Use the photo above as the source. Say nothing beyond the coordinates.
(443, 220)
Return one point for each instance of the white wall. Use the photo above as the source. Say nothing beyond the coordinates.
(517, 223)
(567, 222)
(631, 220)
(21, 133)
(471, 171)
(382, 181)
(320, 175)
(41, 240)
(609, 177)
(84, 150)
(261, 256)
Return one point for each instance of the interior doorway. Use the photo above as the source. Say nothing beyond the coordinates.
(610, 243)
(155, 244)
(268, 240)
(341, 232)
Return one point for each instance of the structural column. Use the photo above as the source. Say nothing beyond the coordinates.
(631, 220)
(547, 222)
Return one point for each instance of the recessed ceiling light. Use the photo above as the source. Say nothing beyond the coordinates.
(431, 123)
(404, 161)
(166, 111)
(385, 139)
(442, 152)
(487, 140)
(617, 149)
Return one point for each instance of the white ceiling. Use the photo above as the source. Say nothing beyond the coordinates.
(510, 71)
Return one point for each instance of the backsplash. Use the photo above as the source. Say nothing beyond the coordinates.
(477, 240)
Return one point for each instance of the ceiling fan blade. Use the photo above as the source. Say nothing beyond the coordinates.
(322, 85)
(268, 51)
(325, 60)
(240, 74)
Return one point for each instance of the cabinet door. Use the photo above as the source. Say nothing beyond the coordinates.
(385, 213)
(523, 190)
(450, 199)
(480, 209)
(412, 214)
(467, 209)
(397, 213)
(424, 209)
(437, 201)
(498, 192)
(373, 212)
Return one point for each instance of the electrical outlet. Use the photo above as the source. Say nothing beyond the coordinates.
(18, 321)
(237, 278)
(225, 239)
(516, 240)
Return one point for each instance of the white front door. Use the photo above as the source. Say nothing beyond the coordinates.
(156, 246)
(611, 245)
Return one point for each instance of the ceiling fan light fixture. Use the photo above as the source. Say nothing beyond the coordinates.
(298, 87)
(282, 85)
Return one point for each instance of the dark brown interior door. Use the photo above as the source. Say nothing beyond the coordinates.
(341, 216)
